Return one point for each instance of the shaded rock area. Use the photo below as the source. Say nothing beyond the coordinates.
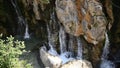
(115, 35)
(31, 58)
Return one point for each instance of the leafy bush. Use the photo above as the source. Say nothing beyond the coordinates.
(10, 50)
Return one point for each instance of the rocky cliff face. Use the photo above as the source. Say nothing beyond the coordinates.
(89, 19)
(83, 18)
(78, 17)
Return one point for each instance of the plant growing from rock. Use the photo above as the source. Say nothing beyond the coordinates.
(10, 51)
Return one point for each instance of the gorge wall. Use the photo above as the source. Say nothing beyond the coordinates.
(85, 19)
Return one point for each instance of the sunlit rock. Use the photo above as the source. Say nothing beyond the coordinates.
(82, 18)
(48, 59)
(67, 14)
(94, 22)
(77, 64)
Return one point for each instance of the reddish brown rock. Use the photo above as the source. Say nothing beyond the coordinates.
(83, 18)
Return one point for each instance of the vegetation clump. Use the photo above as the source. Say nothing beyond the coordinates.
(10, 51)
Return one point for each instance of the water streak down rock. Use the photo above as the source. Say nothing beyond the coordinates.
(21, 21)
(105, 62)
(82, 18)
(62, 38)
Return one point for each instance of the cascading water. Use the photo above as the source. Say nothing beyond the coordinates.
(65, 55)
(26, 36)
(66, 50)
(21, 20)
(106, 48)
(106, 63)
(51, 42)
(62, 39)
(79, 53)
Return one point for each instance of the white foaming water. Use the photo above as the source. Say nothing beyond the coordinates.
(79, 53)
(26, 36)
(66, 57)
(106, 63)
(62, 39)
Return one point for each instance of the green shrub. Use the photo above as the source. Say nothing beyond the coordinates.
(10, 50)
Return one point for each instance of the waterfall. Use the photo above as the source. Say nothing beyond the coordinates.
(26, 36)
(79, 53)
(51, 42)
(65, 55)
(70, 45)
(106, 48)
(62, 39)
(21, 21)
(106, 63)
(19, 15)
(16, 8)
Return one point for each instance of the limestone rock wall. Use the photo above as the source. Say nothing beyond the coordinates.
(87, 18)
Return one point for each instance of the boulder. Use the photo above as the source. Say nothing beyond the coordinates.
(53, 61)
(48, 59)
(77, 64)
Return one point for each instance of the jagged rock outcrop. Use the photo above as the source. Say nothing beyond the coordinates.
(83, 18)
